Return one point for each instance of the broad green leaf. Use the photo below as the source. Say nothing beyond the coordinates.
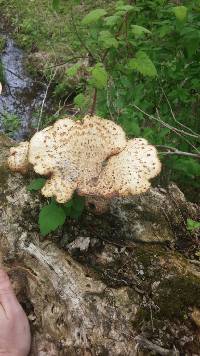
(55, 4)
(72, 71)
(125, 8)
(51, 217)
(139, 30)
(36, 184)
(93, 16)
(99, 76)
(107, 39)
(143, 64)
(111, 21)
(192, 225)
(180, 13)
(79, 100)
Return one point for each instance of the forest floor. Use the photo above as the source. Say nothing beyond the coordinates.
(38, 27)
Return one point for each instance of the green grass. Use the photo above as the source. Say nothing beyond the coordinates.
(38, 27)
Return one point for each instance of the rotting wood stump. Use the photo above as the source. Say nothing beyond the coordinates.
(123, 283)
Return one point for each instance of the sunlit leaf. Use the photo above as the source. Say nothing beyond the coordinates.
(93, 16)
(99, 76)
(139, 30)
(192, 225)
(72, 71)
(79, 100)
(143, 64)
(180, 13)
(107, 39)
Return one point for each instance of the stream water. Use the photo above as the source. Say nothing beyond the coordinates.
(21, 95)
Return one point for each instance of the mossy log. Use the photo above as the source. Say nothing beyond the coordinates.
(124, 283)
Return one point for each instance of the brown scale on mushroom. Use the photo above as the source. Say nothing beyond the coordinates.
(91, 157)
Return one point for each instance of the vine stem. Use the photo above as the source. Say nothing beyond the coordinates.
(92, 109)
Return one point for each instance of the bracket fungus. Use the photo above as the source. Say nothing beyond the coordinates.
(91, 156)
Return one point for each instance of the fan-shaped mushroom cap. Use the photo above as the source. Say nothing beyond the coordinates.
(18, 160)
(72, 153)
(128, 172)
(91, 156)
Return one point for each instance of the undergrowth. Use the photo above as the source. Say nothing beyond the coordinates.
(141, 68)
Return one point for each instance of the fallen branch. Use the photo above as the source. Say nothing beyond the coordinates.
(144, 343)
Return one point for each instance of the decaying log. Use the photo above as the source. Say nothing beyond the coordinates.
(99, 297)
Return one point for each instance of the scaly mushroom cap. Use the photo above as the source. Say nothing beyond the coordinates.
(91, 156)
(128, 172)
(18, 159)
(72, 153)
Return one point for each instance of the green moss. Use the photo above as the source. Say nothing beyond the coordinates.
(176, 295)
(173, 299)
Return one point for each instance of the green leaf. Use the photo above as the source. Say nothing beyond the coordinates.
(93, 16)
(74, 207)
(125, 8)
(143, 64)
(192, 225)
(131, 128)
(72, 71)
(111, 21)
(51, 217)
(180, 13)
(79, 100)
(36, 184)
(78, 203)
(107, 39)
(139, 30)
(99, 76)
(55, 4)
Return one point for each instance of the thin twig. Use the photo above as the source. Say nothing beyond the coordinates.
(175, 130)
(165, 124)
(78, 35)
(22, 79)
(173, 115)
(62, 107)
(65, 62)
(92, 109)
(175, 151)
(44, 99)
(179, 134)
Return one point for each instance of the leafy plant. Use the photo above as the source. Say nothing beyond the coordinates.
(11, 123)
(53, 215)
(192, 225)
(143, 74)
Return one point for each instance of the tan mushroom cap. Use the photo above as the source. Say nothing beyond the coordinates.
(91, 157)
(72, 153)
(18, 159)
(128, 172)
